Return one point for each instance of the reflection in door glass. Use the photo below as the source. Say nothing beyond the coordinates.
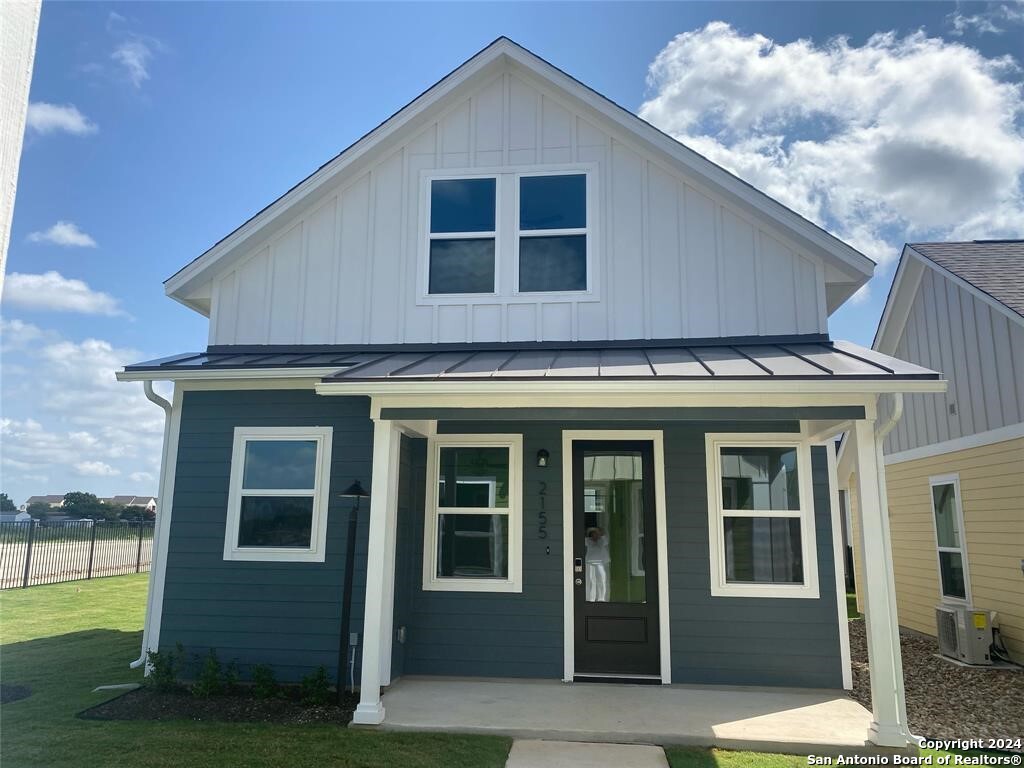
(613, 515)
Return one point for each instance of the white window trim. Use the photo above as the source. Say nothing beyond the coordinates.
(431, 236)
(506, 236)
(527, 233)
(714, 442)
(954, 480)
(316, 552)
(514, 582)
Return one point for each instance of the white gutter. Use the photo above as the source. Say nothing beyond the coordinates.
(153, 569)
(897, 414)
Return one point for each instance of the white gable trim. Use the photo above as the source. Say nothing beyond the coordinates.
(904, 291)
(817, 241)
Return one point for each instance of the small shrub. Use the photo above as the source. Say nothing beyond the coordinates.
(315, 688)
(210, 680)
(231, 677)
(264, 683)
(163, 669)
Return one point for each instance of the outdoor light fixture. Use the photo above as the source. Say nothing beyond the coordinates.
(542, 458)
(357, 492)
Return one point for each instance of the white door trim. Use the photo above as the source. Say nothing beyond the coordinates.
(656, 438)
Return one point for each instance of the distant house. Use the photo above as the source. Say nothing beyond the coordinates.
(54, 500)
(955, 461)
(15, 517)
(146, 502)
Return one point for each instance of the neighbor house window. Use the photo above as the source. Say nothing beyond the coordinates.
(462, 235)
(552, 233)
(277, 500)
(474, 527)
(761, 517)
(947, 513)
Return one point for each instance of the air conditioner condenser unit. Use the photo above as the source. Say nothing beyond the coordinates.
(964, 633)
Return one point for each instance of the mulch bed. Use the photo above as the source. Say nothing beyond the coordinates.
(147, 704)
(9, 693)
(945, 700)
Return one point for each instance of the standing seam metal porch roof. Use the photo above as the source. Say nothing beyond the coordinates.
(723, 359)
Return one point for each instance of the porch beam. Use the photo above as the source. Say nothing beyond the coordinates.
(814, 414)
(380, 574)
(889, 724)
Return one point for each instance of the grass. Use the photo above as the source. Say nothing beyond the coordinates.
(851, 606)
(63, 640)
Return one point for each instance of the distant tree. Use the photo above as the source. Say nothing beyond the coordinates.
(82, 504)
(131, 513)
(6, 505)
(39, 509)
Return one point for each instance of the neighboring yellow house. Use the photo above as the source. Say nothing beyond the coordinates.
(955, 462)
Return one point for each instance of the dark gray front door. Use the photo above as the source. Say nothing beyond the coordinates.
(615, 578)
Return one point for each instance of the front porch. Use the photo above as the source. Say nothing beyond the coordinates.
(791, 720)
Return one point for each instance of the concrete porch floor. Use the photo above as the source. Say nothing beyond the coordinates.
(794, 720)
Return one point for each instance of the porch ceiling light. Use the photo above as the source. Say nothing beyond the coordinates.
(542, 458)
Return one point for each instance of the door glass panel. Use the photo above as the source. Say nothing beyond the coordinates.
(613, 521)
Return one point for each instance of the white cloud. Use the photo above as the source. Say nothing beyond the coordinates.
(75, 423)
(54, 292)
(64, 233)
(17, 334)
(893, 140)
(133, 56)
(95, 469)
(47, 118)
(992, 21)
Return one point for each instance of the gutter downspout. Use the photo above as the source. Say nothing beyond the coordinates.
(152, 396)
(880, 434)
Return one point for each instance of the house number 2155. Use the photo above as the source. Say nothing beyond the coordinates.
(542, 515)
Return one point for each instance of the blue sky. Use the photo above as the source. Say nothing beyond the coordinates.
(169, 124)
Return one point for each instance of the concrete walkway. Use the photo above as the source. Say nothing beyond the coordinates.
(791, 720)
(575, 754)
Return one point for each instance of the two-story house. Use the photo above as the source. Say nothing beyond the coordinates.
(955, 462)
(585, 375)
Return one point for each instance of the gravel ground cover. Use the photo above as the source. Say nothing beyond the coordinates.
(945, 700)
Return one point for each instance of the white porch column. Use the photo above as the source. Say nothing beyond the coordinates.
(889, 725)
(380, 574)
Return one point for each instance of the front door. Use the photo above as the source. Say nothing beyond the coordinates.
(615, 579)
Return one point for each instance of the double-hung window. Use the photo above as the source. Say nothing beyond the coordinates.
(462, 235)
(473, 529)
(278, 494)
(552, 233)
(948, 515)
(760, 517)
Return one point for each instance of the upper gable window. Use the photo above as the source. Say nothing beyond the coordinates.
(552, 233)
(462, 235)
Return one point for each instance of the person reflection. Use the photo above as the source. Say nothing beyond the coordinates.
(598, 559)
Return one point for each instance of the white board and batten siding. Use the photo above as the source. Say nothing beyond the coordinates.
(980, 351)
(668, 259)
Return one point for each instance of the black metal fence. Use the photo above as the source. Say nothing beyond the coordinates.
(41, 552)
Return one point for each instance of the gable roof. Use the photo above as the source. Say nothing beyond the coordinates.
(992, 270)
(852, 265)
(993, 266)
(53, 498)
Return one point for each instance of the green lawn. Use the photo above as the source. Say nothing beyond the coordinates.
(851, 606)
(65, 639)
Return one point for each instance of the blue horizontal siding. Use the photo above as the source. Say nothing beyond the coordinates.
(284, 614)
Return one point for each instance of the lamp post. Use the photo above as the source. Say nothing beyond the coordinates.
(357, 492)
